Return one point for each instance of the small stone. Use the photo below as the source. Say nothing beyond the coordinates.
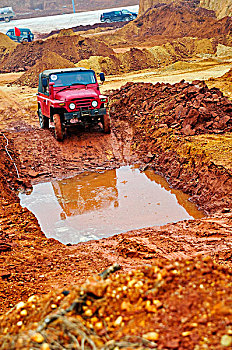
(157, 303)
(45, 346)
(98, 325)
(125, 305)
(19, 324)
(89, 313)
(226, 340)
(118, 321)
(33, 173)
(53, 306)
(37, 337)
(20, 305)
(185, 334)
(23, 313)
(152, 336)
(32, 298)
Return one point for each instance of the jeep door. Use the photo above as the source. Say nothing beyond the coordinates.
(45, 101)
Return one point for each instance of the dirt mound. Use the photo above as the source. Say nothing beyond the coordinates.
(153, 57)
(187, 108)
(108, 65)
(6, 46)
(136, 59)
(48, 61)
(66, 32)
(73, 48)
(222, 8)
(166, 305)
(175, 20)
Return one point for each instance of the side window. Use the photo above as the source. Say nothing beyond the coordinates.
(45, 88)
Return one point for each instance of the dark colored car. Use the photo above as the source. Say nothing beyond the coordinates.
(118, 16)
(25, 35)
(71, 96)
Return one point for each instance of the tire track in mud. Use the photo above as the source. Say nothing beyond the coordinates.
(42, 157)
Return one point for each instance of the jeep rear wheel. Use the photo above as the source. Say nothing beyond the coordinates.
(106, 123)
(58, 127)
(43, 121)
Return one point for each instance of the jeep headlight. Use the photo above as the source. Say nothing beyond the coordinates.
(94, 103)
(72, 106)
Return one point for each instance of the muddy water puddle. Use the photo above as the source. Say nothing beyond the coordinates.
(96, 205)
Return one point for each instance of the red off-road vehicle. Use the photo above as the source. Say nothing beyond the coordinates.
(71, 96)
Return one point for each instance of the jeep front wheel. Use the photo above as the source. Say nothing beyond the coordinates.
(43, 121)
(106, 123)
(58, 127)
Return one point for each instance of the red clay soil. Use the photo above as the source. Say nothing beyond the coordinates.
(170, 21)
(49, 61)
(72, 48)
(160, 114)
(189, 109)
(178, 305)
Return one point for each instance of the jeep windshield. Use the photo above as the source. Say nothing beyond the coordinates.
(73, 78)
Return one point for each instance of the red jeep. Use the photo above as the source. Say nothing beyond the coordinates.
(71, 96)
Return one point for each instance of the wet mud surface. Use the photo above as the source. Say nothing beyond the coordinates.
(33, 264)
(56, 296)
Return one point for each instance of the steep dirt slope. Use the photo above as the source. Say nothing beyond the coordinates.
(168, 21)
(221, 7)
(6, 46)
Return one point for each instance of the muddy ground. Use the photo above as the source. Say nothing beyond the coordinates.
(32, 264)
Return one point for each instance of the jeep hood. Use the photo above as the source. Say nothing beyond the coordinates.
(72, 94)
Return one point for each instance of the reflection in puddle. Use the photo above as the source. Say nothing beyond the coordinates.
(97, 205)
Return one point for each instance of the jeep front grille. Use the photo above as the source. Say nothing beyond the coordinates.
(83, 103)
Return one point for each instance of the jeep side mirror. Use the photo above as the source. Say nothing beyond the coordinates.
(44, 82)
(102, 77)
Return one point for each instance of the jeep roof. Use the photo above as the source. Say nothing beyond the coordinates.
(47, 72)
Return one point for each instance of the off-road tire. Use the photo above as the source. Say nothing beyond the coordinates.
(108, 20)
(127, 19)
(106, 123)
(43, 121)
(58, 127)
(7, 19)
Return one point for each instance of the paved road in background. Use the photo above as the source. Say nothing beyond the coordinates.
(47, 24)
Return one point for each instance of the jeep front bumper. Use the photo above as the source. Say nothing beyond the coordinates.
(84, 113)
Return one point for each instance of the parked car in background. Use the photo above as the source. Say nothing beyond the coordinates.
(25, 34)
(118, 16)
(6, 14)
